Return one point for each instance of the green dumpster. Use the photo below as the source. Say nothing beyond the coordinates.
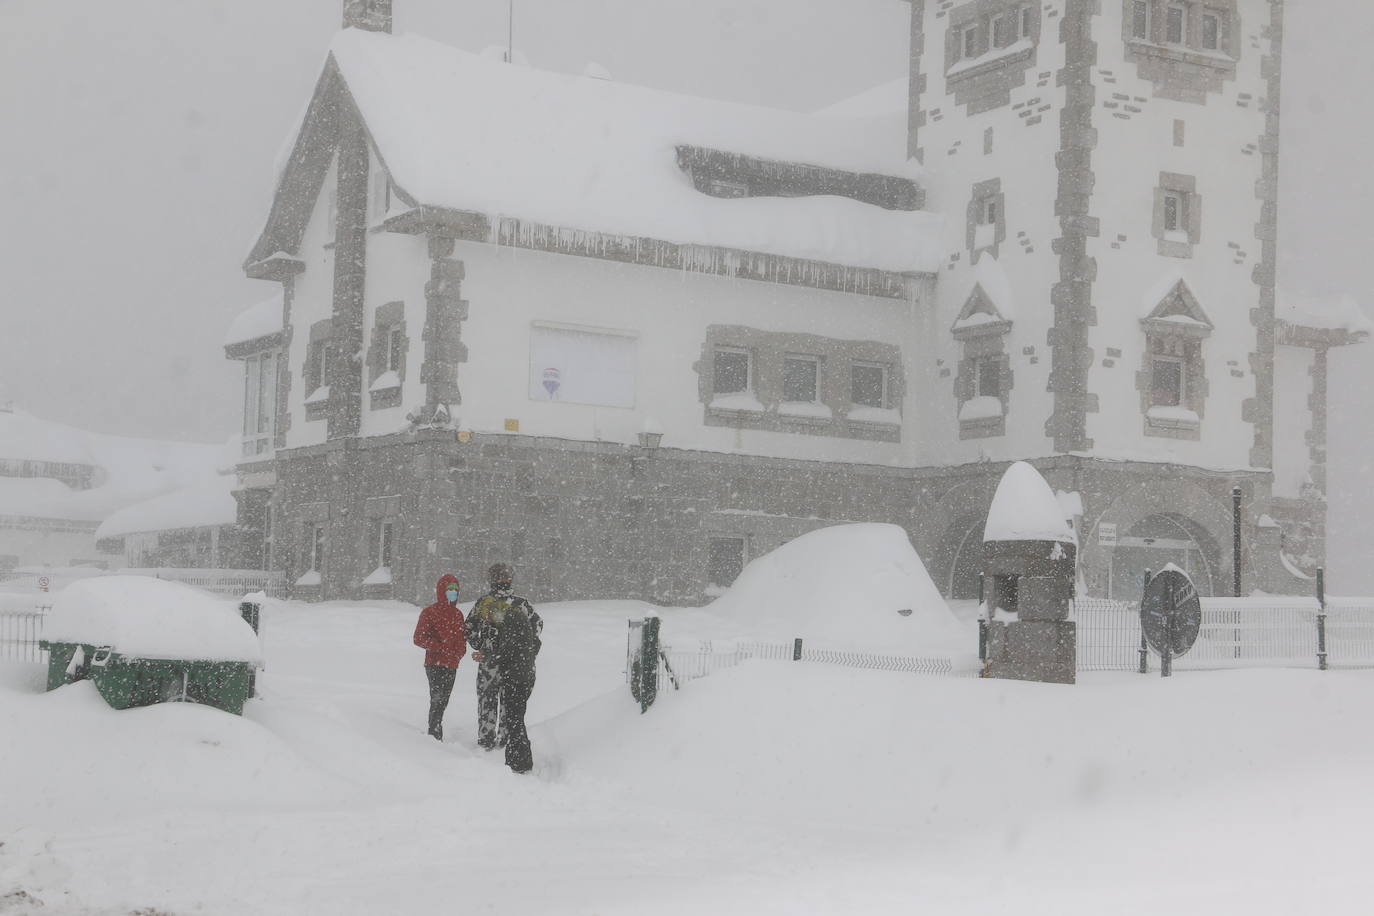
(152, 641)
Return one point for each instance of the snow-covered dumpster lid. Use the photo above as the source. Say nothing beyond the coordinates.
(142, 617)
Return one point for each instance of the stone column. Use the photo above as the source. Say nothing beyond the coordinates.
(350, 273)
(1037, 579)
(445, 312)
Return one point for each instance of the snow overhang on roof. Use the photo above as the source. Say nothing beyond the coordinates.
(206, 505)
(461, 136)
(1307, 321)
(256, 328)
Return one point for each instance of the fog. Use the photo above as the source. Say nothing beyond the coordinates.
(140, 136)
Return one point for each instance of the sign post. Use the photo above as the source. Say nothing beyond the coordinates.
(1170, 615)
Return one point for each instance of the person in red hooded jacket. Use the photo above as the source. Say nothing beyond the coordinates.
(440, 633)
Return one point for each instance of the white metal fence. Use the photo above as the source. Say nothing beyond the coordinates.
(690, 663)
(1259, 632)
(20, 631)
(231, 583)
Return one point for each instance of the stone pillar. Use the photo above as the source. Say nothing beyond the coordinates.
(345, 378)
(445, 312)
(1033, 579)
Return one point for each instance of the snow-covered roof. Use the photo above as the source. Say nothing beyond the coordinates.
(204, 505)
(1025, 509)
(256, 321)
(24, 437)
(459, 131)
(1326, 313)
(151, 618)
(885, 99)
(44, 497)
(131, 470)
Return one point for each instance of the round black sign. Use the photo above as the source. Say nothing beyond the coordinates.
(1170, 613)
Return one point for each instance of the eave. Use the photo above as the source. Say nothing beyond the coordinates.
(245, 348)
(509, 232)
(1298, 335)
(277, 267)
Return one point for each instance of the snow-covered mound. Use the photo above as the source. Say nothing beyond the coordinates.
(847, 586)
(151, 618)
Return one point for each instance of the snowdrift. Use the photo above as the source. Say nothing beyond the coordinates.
(848, 587)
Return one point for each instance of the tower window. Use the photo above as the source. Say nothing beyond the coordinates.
(1173, 213)
(1176, 24)
(1211, 31)
(1140, 20)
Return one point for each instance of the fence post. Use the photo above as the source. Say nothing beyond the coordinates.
(1144, 646)
(1321, 618)
(796, 649)
(1235, 538)
(648, 664)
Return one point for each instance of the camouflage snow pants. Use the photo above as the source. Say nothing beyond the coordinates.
(489, 731)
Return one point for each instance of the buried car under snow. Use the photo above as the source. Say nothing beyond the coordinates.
(144, 641)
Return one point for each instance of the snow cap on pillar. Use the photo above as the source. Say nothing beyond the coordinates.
(371, 15)
(1025, 509)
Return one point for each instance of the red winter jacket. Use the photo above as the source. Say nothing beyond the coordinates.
(440, 628)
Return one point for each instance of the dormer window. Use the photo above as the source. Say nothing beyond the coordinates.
(1173, 378)
(1167, 376)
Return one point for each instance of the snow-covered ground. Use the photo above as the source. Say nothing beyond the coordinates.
(774, 787)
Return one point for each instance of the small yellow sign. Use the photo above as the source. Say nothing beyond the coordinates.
(464, 435)
(512, 425)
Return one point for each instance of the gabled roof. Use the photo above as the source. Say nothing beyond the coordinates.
(1171, 306)
(989, 306)
(463, 132)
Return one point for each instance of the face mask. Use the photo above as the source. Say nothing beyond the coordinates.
(452, 596)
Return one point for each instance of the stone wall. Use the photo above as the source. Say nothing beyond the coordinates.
(586, 520)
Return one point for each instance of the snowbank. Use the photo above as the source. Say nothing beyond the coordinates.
(871, 792)
(1025, 509)
(151, 618)
(844, 586)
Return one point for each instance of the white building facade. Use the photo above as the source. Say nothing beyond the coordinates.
(631, 367)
